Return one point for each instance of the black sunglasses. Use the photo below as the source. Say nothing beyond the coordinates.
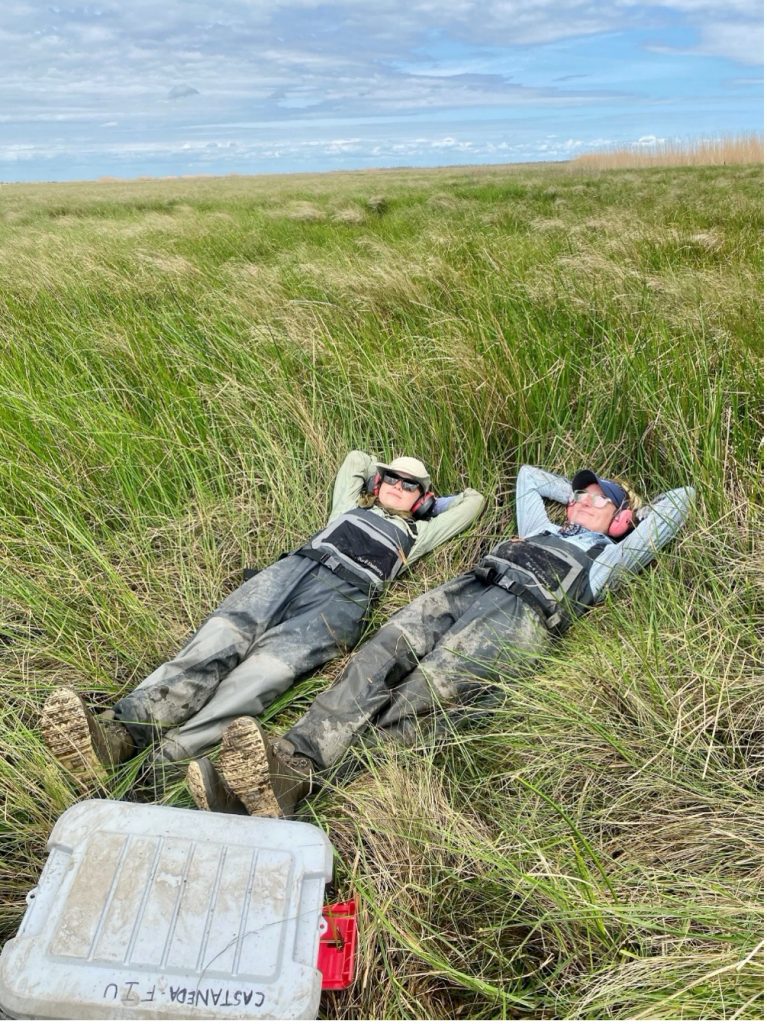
(407, 485)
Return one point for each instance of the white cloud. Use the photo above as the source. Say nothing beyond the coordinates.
(376, 150)
(742, 42)
(177, 72)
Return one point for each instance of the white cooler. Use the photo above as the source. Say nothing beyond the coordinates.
(164, 913)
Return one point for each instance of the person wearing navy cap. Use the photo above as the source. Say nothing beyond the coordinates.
(441, 653)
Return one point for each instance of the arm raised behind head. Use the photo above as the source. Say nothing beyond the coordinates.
(658, 524)
(355, 471)
(533, 485)
(463, 509)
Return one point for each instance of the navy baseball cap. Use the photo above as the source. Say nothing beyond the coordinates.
(609, 488)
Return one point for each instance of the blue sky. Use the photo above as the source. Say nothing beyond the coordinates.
(126, 88)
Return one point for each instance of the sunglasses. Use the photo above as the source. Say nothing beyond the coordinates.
(407, 485)
(597, 500)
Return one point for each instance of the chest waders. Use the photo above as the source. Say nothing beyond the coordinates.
(363, 548)
(547, 573)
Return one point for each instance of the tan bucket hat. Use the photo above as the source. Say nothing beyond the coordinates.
(405, 466)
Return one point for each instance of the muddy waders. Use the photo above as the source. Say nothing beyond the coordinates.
(435, 661)
(438, 651)
(291, 618)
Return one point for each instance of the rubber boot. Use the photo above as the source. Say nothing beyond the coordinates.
(269, 785)
(208, 790)
(165, 768)
(85, 744)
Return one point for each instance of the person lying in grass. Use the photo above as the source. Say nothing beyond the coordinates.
(286, 621)
(436, 656)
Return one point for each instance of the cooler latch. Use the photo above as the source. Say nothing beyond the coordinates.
(338, 944)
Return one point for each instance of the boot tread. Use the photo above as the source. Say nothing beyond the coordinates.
(244, 766)
(196, 783)
(66, 731)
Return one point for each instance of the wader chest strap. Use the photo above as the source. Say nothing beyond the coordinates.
(555, 593)
(491, 575)
(337, 567)
(363, 547)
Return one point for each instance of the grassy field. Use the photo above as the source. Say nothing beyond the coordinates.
(184, 365)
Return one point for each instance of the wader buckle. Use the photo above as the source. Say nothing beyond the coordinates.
(490, 575)
(486, 574)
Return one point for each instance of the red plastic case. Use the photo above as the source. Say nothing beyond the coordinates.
(338, 945)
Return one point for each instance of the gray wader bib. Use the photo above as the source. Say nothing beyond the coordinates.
(439, 652)
(547, 572)
(363, 548)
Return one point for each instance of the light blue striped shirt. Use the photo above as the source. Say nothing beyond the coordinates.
(663, 520)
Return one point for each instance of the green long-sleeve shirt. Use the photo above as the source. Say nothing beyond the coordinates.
(358, 467)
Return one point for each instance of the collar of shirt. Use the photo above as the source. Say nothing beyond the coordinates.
(572, 530)
(580, 536)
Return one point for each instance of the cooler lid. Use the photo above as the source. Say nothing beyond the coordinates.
(157, 912)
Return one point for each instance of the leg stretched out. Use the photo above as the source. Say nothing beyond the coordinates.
(435, 657)
(424, 659)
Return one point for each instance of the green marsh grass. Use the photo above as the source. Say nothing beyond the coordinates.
(183, 365)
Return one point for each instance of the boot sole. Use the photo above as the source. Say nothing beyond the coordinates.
(244, 767)
(65, 730)
(196, 784)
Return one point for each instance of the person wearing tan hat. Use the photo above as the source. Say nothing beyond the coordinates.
(284, 622)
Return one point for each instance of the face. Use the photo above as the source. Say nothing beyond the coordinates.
(396, 497)
(584, 513)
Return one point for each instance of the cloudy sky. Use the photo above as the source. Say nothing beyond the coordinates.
(161, 87)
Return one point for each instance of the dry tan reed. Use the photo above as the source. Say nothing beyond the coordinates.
(733, 149)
